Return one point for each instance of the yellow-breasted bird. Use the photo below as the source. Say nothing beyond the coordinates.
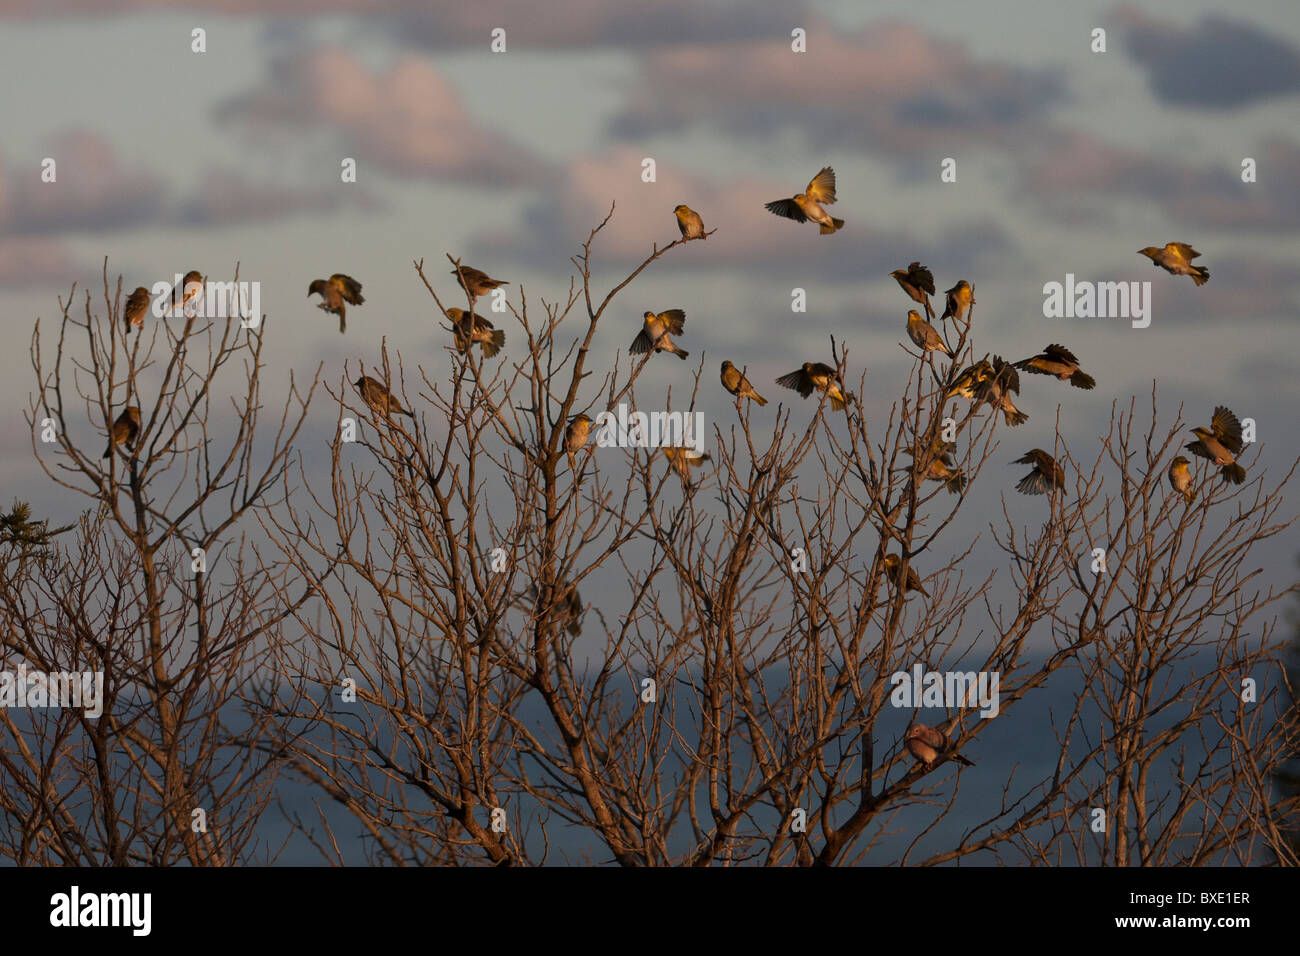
(807, 205)
(689, 222)
(376, 395)
(958, 299)
(971, 379)
(1176, 258)
(927, 745)
(575, 437)
(657, 331)
(925, 335)
(1221, 443)
(893, 569)
(918, 282)
(137, 307)
(996, 389)
(942, 466)
(476, 283)
(191, 288)
(736, 383)
(1180, 478)
(478, 329)
(1046, 476)
(817, 375)
(1059, 361)
(124, 430)
(335, 291)
(683, 460)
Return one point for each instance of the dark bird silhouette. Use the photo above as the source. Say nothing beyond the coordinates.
(1059, 361)
(1046, 476)
(918, 282)
(124, 430)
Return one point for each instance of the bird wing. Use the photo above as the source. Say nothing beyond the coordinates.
(787, 208)
(1227, 429)
(1060, 353)
(1183, 249)
(349, 288)
(921, 277)
(674, 320)
(642, 343)
(797, 380)
(822, 187)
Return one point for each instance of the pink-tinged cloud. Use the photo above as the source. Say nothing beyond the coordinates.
(408, 119)
(229, 197)
(37, 262)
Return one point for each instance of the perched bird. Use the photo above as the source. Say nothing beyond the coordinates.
(918, 282)
(971, 380)
(137, 307)
(927, 745)
(683, 460)
(478, 329)
(191, 288)
(959, 298)
(1176, 258)
(657, 331)
(1059, 361)
(124, 430)
(1180, 478)
(736, 383)
(817, 375)
(925, 335)
(996, 389)
(690, 223)
(567, 606)
(575, 437)
(943, 468)
(1221, 443)
(1046, 476)
(377, 396)
(893, 568)
(335, 291)
(476, 283)
(808, 205)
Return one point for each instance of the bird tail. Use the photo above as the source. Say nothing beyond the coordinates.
(573, 461)
(929, 309)
(495, 345)
(680, 353)
(1013, 415)
(758, 398)
(108, 452)
(343, 322)
(1200, 275)
(1189, 495)
(956, 483)
(1233, 473)
(837, 225)
(1081, 379)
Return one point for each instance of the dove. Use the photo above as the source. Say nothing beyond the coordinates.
(807, 205)
(1046, 476)
(1221, 443)
(1059, 361)
(927, 745)
(918, 282)
(690, 223)
(124, 430)
(335, 291)
(736, 383)
(817, 375)
(657, 331)
(1176, 258)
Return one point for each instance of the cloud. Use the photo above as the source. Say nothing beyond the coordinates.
(227, 196)
(1217, 64)
(407, 119)
(37, 262)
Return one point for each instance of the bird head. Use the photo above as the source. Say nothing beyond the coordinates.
(682, 211)
(1149, 251)
(649, 316)
(726, 364)
(317, 286)
(1181, 463)
(581, 419)
(899, 274)
(913, 316)
(1200, 432)
(891, 560)
(133, 413)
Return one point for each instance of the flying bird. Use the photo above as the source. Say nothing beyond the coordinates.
(690, 223)
(124, 430)
(657, 331)
(335, 291)
(137, 307)
(1221, 443)
(1180, 478)
(479, 330)
(807, 205)
(575, 437)
(959, 298)
(683, 460)
(377, 396)
(927, 745)
(1176, 258)
(970, 381)
(817, 375)
(996, 388)
(736, 383)
(894, 568)
(918, 282)
(925, 335)
(476, 283)
(1059, 361)
(1046, 476)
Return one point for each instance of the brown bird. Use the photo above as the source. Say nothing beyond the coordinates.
(137, 307)
(1059, 361)
(575, 437)
(736, 383)
(1180, 478)
(335, 291)
(1176, 258)
(1046, 476)
(377, 396)
(817, 375)
(943, 468)
(808, 205)
(657, 331)
(927, 745)
(124, 430)
(918, 282)
(925, 335)
(683, 460)
(1221, 443)
(690, 223)
(190, 289)
(959, 298)
(476, 283)
(894, 566)
(566, 608)
(996, 389)
(479, 330)
(971, 380)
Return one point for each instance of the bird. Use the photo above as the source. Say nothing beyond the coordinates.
(1180, 478)
(996, 388)
(124, 430)
(683, 460)
(1176, 258)
(137, 307)
(335, 291)
(959, 298)
(478, 330)
(690, 223)
(927, 745)
(377, 396)
(969, 382)
(817, 375)
(918, 282)
(1046, 476)
(1221, 443)
(925, 335)
(657, 331)
(566, 607)
(575, 437)
(734, 381)
(190, 288)
(476, 283)
(894, 566)
(1059, 361)
(808, 204)
(942, 468)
